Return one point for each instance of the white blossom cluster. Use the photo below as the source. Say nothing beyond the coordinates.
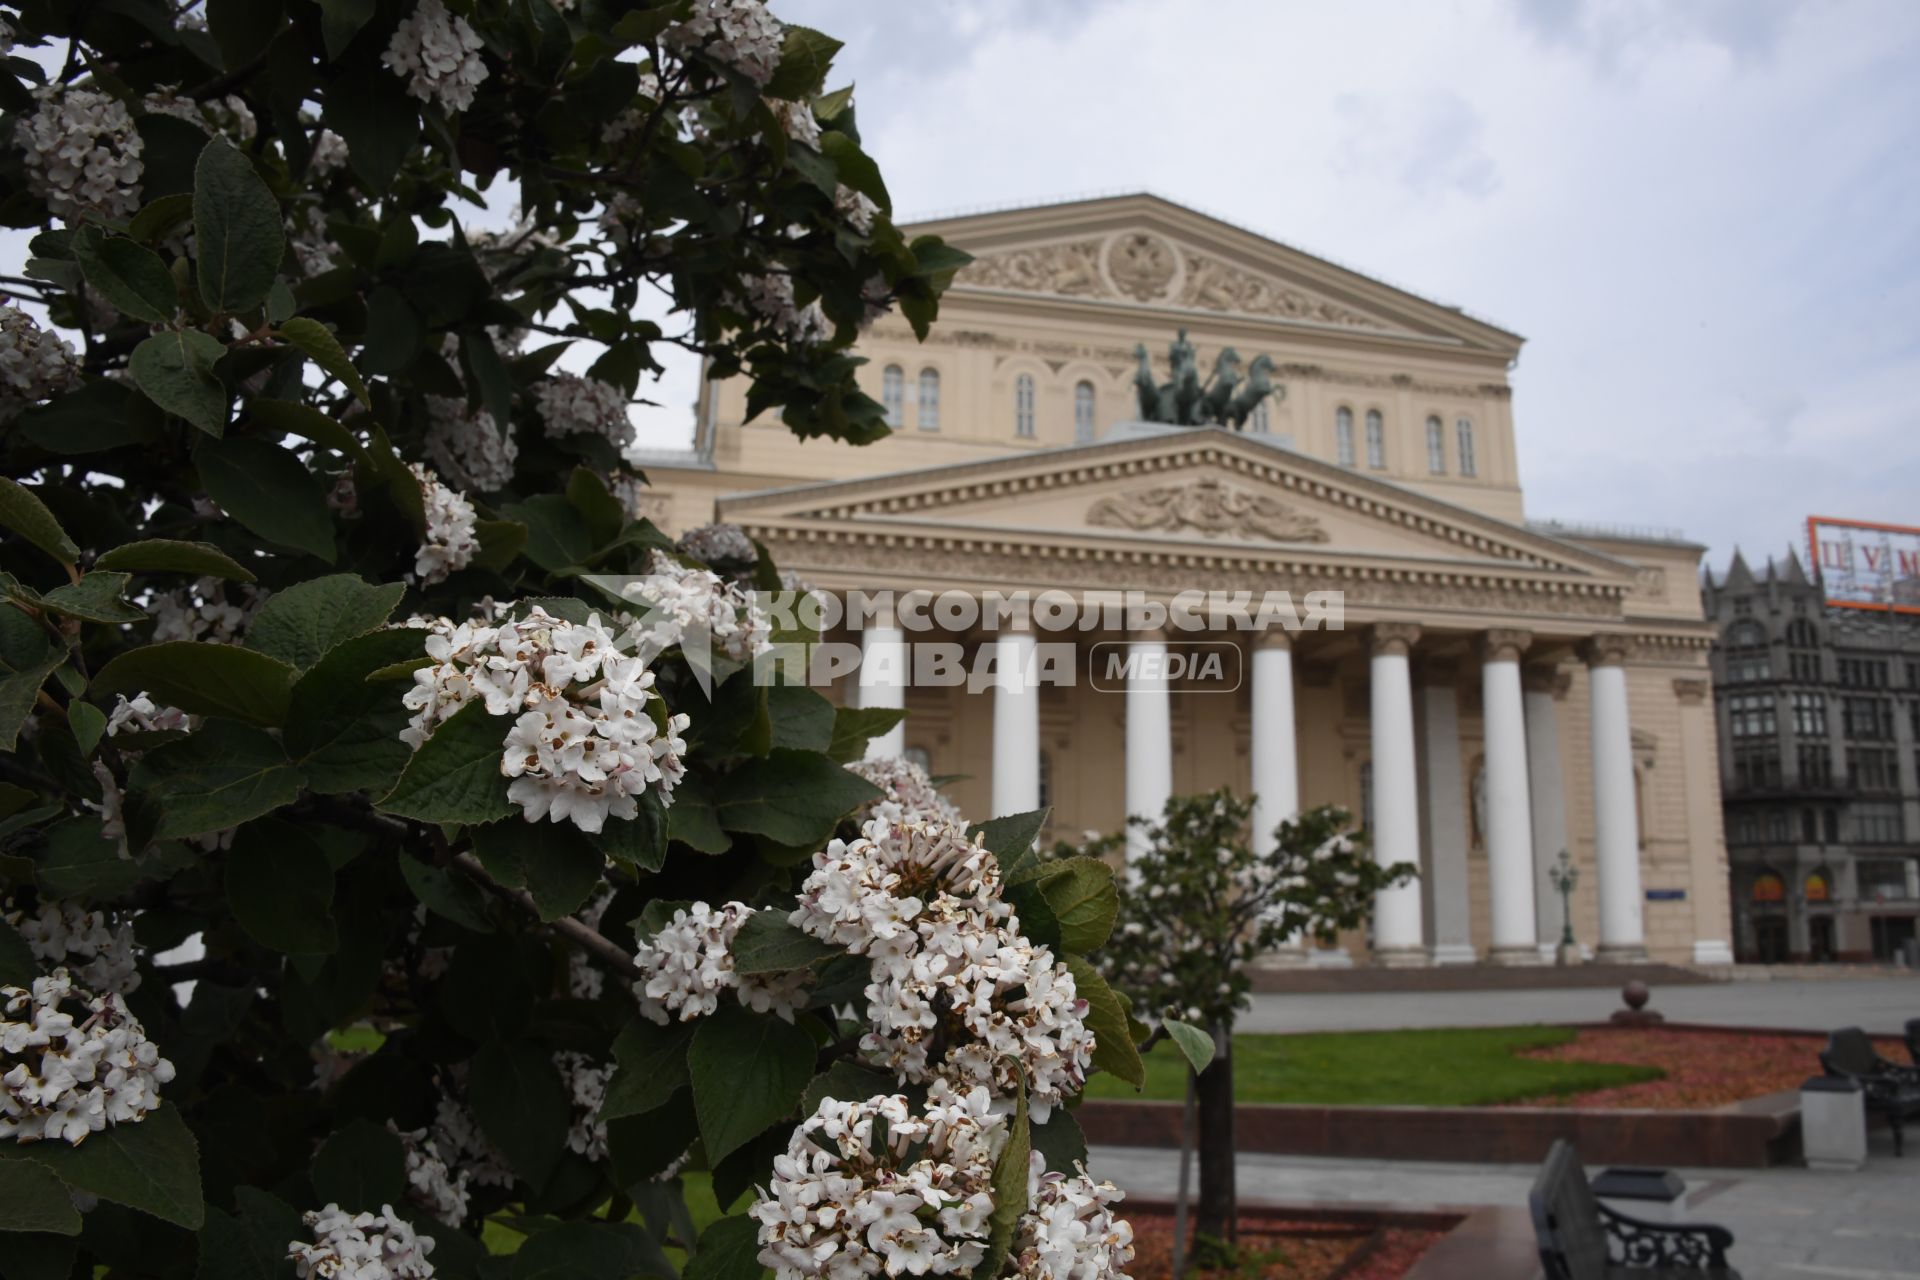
(328, 157)
(584, 979)
(571, 405)
(229, 115)
(438, 54)
(451, 538)
(907, 794)
(586, 1084)
(720, 545)
(687, 964)
(856, 208)
(1069, 1231)
(82, 153)
(34, 363)
(796, 121)
(584, 742)
(140, 714)
(468, 448)
(68, 1072)
(458, 1140)
(202, 611)
(677, 604)
(360, 1246)
(101, 955)
(431, 1184)
(956, 991)
(769, 299)
(741, 34)
(870, 1188)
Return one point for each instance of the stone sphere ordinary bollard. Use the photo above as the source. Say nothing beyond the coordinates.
(1636, 1014)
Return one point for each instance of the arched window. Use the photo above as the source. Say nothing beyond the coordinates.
(1376, 440)
(1023, 406)
(929, 399)
(1083, 412)
(893, 394)
(1463, 429)
(1436, 446)
(1261, 421)
(1343, 435)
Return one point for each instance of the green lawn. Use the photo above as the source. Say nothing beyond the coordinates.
(1450, 1067)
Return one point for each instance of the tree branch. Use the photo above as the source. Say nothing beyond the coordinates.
(573, 930)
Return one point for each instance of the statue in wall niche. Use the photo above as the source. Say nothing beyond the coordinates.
(1227, 398)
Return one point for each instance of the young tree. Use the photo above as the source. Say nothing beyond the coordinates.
(1198, 905)
(395, 837)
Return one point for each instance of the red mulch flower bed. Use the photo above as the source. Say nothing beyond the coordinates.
(1278, 1248)
(1704, 1069)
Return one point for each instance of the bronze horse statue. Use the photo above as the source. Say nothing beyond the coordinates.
(1227, 398)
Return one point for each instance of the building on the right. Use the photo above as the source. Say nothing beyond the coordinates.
(1818, 709)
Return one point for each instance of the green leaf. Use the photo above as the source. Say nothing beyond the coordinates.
(501, 542)
(321, 347)
(692, 820)
(360, 1164)
(242, 29)
(270, 491)
(557, 534)
(280, 888)
(522, 1106)
(563, 866)
(128, 275)
(805, 56)
(88, 722)
(749, 1070)
(18, 967)
(1010, 840)
(33, 1199)
(1083, 898)
(853, 727)
(164, 555)
(855, 168)
(1107, 1018)
(588, 1250)
(303, 623)
(729, 1250)
(447, 893)
(1195, 1044)
(770, 943)
(639, 841)
(204, 678)
(237, 231)
(604, 516)
(175, 370)
(801, 718)
(1061, 1141)
(152, 1166)
(793, 797)
(1010, 1175)
(38, 1255)
(160, 216)
(455, 775)
(251, 1245)
(344, 729)
(221, 775)
(22, 511)
(289, 418)
(341, 20)
(650, 1067)
(95, 598)
(846, 1082)
(19, 692)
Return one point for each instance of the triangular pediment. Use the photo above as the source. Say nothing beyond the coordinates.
(1141, 252)
(1201, 492)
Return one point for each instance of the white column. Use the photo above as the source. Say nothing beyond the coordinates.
(883, 682)
(1016, 726)
(1275, 762)
(1509, 815)
(1616, 824)
(1149, 735)
(1443, 814)
(1396, 795)
(1544, 686)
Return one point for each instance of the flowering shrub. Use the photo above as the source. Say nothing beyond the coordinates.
(395, 841)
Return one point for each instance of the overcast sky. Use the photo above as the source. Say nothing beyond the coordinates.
(1704, 215)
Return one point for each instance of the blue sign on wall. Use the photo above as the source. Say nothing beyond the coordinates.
(1666, 895)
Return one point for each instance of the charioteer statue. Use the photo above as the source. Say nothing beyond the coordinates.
(1228, 398)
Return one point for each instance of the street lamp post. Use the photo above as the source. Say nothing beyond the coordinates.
(1564, 876)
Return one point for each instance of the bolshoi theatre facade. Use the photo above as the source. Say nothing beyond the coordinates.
(1487, 692)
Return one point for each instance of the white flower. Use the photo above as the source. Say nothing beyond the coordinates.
(1069, 1231)
(229, 115)
(468, 448)
(907, 794)
(140, 714)
(102, 956)
(586, 1084)
(202, 611)
(328, 157)
(35, 363)
(679, 605)
(688, 963)
(430, 1183)
(439, 54)
(73, 1063)
(856, 208)
(796, 120)
(572, 405)
(451, 539)
(738, 33)
(720, 546)
(768, 299)
(82, 153)
(363, 1246)
(457, 1138)
(872, 1187)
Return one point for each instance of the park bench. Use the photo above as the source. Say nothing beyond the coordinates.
(1583, 1239)
(1889, 1088)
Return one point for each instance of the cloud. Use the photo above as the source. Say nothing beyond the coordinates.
(1426, 144)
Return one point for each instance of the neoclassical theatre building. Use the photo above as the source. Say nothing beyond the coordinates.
(1500, 690)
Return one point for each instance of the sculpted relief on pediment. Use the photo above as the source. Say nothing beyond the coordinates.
(1209, 507)
(1142, 266)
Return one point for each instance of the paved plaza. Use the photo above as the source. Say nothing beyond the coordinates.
(1881, 1005)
